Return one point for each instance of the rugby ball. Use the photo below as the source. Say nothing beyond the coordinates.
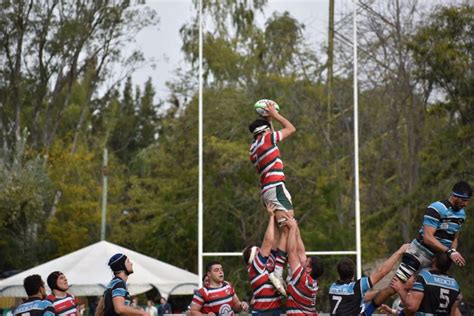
(261, 106)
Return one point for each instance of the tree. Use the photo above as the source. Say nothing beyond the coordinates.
(65, 43)
(55, 56)
(442, 48)
(25, 199)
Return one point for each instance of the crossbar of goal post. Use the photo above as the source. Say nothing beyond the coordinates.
(309, 253)
(358, 251)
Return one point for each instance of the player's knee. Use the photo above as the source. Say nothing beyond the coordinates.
(410, 264)
(281, 217)
(281, 212)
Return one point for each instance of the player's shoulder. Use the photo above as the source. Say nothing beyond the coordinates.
(425, 274)
(50, 298)
(44, 304)
(117, 283)
(201, 291)
(365, 280)
(439, 206)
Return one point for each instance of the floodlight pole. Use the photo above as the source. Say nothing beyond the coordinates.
(104, 195)
(200, 198)
(356, 148)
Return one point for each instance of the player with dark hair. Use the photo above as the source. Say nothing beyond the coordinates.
(265, 156)
(116, 299)
(266, 299)
(303, 284)
(439, 233)
(63, 302)
(35, 305)
(219, 297)
(434, 291)
(346, 296)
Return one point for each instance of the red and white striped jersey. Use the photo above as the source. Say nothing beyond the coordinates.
(302, 291)
(63, 306)
(265, 156)
(216, 300)
(266, 297)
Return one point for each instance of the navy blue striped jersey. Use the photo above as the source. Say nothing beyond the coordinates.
(446, 220)
(440, 291)
(35, 307)
(348, 298)
(116, 287)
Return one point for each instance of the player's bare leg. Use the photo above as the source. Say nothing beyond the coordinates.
(276, 277)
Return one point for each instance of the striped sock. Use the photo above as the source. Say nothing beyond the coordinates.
(271, 261)
(280, 262)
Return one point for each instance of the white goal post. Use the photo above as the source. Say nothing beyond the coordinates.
(358, 251)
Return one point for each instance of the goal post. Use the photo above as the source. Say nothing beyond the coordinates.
(358, 251)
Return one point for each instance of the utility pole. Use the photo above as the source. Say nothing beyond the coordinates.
(330, 63)
(104, 195)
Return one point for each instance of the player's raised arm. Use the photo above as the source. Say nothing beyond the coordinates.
(288, 128)
(292, 245)
(268, 238)
(387, 266)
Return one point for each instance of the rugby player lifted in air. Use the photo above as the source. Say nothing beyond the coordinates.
(439, 233)
(265, 156)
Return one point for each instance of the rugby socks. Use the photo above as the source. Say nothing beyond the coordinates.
(281, 259)
(289, 275)
(271, 261)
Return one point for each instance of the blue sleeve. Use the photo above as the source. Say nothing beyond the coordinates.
(119, 290)
(49, 310)
(431, 217)
(365, 285)
(419, 284)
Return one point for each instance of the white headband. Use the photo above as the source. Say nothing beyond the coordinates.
(260, 129)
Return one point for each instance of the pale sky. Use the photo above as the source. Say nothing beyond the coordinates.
(162, 43)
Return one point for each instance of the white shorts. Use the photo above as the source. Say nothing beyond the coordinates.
(277, 198)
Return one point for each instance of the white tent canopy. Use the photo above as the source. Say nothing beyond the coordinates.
(88, 273)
